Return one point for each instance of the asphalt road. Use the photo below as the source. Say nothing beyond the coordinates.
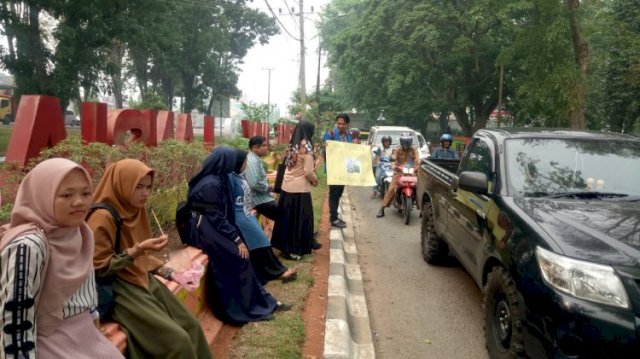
(416, 310)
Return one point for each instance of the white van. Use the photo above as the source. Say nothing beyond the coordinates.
(377, 132)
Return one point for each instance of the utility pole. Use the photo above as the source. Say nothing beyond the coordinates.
(500, 95)
(318, 79)
(303, 86)
(268, 69)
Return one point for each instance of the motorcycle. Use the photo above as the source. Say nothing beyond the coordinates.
(387, 175)
(405, 196)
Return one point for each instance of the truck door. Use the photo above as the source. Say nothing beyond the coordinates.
(467, 220)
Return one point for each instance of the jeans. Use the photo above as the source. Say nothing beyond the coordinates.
(379, 178)
(335, 192)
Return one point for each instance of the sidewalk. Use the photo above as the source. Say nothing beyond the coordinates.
(347, 333)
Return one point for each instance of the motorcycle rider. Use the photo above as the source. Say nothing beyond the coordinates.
(385, 151)
(405, 155)
(444, 151)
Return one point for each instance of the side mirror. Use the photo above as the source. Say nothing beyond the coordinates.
(474, 182)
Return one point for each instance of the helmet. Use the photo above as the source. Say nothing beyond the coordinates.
(355, 133)
(446, 137)
(406, 140)
(387, 138)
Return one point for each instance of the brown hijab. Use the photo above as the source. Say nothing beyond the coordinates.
(69, 249)
(117, 187)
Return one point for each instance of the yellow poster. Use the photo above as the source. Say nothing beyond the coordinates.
(349, 164)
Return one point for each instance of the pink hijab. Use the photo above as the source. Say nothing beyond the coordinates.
(70, 249)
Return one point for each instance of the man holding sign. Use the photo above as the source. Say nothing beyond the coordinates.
(347, 163)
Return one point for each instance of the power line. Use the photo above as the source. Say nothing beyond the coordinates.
(278, 20)
(295, 21)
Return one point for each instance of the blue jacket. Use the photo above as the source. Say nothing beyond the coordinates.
(441, 153)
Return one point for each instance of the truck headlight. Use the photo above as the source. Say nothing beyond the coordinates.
(590, 281)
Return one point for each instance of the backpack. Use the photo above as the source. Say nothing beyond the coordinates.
(186, 213)
(104, 285)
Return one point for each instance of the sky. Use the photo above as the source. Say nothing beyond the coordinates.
(281, 54)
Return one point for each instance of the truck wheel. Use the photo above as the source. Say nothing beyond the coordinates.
(408, 205)
(502, 316)
(434, 249)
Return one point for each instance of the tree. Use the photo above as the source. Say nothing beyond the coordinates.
(412, 58)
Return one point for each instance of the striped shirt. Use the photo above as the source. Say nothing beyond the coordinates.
(257, 180)
(21, 264)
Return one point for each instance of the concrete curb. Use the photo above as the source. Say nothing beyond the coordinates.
(347, 332)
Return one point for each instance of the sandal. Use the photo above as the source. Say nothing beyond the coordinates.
(293, 275)
(291, 257)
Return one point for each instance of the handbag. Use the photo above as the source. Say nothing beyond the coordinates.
(104, 285)
(277, 186)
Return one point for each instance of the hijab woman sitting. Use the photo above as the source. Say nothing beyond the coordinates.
(48, 299)
(234, 292)
(156, 323)
(293, 230)
(264, 262)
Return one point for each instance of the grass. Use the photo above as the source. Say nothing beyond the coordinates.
(283, 338)
(5, 132)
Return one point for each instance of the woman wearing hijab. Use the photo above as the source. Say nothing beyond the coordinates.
(264, 262)
(156, 323)
(293, 230)
(48, 299)
(234, 292)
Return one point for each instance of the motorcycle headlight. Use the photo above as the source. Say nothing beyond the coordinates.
(590, 281)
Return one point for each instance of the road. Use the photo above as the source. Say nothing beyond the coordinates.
(416, 310)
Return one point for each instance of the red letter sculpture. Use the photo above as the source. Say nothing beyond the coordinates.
(164, 122)
(121, 121)
(184, 129)
(93, 116)
(209, 138)
(38, 124)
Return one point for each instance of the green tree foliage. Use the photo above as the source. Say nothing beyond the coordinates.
(567, 63)
(186, 48)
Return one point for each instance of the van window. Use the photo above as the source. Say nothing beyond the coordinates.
(4, 103)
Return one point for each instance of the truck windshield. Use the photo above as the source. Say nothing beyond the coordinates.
(559, 167)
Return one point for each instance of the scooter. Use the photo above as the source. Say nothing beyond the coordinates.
(383, 186)
(405, 197)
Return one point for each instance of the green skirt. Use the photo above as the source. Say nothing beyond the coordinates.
(156, 323)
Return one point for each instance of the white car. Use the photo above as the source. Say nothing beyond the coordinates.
(424, 146)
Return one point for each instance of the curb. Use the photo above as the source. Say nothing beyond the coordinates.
(347, 332)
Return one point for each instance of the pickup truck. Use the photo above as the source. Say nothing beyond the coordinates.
(547, 223)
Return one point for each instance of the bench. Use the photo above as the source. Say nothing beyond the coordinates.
(193, 301)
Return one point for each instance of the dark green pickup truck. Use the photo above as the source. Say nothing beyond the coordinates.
(548, 225)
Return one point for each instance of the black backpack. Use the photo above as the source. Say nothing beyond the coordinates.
(186, 215)
(104, 285)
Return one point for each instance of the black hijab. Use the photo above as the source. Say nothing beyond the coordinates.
(241, 156)
(303, 131)
(222, 160)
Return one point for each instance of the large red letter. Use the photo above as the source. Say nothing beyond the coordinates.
(38, 124)
(151, 117)
(184, 129)
(209, 137)
(121, 121)
(164, 125)
(93, 116)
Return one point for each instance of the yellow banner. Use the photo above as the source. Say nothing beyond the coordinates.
(349, 164)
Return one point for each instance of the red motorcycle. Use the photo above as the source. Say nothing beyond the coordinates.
(406, 181)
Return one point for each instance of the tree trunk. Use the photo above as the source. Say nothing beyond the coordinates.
(168, 90)
(463, 121)
(581, 51)
(116, 53)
